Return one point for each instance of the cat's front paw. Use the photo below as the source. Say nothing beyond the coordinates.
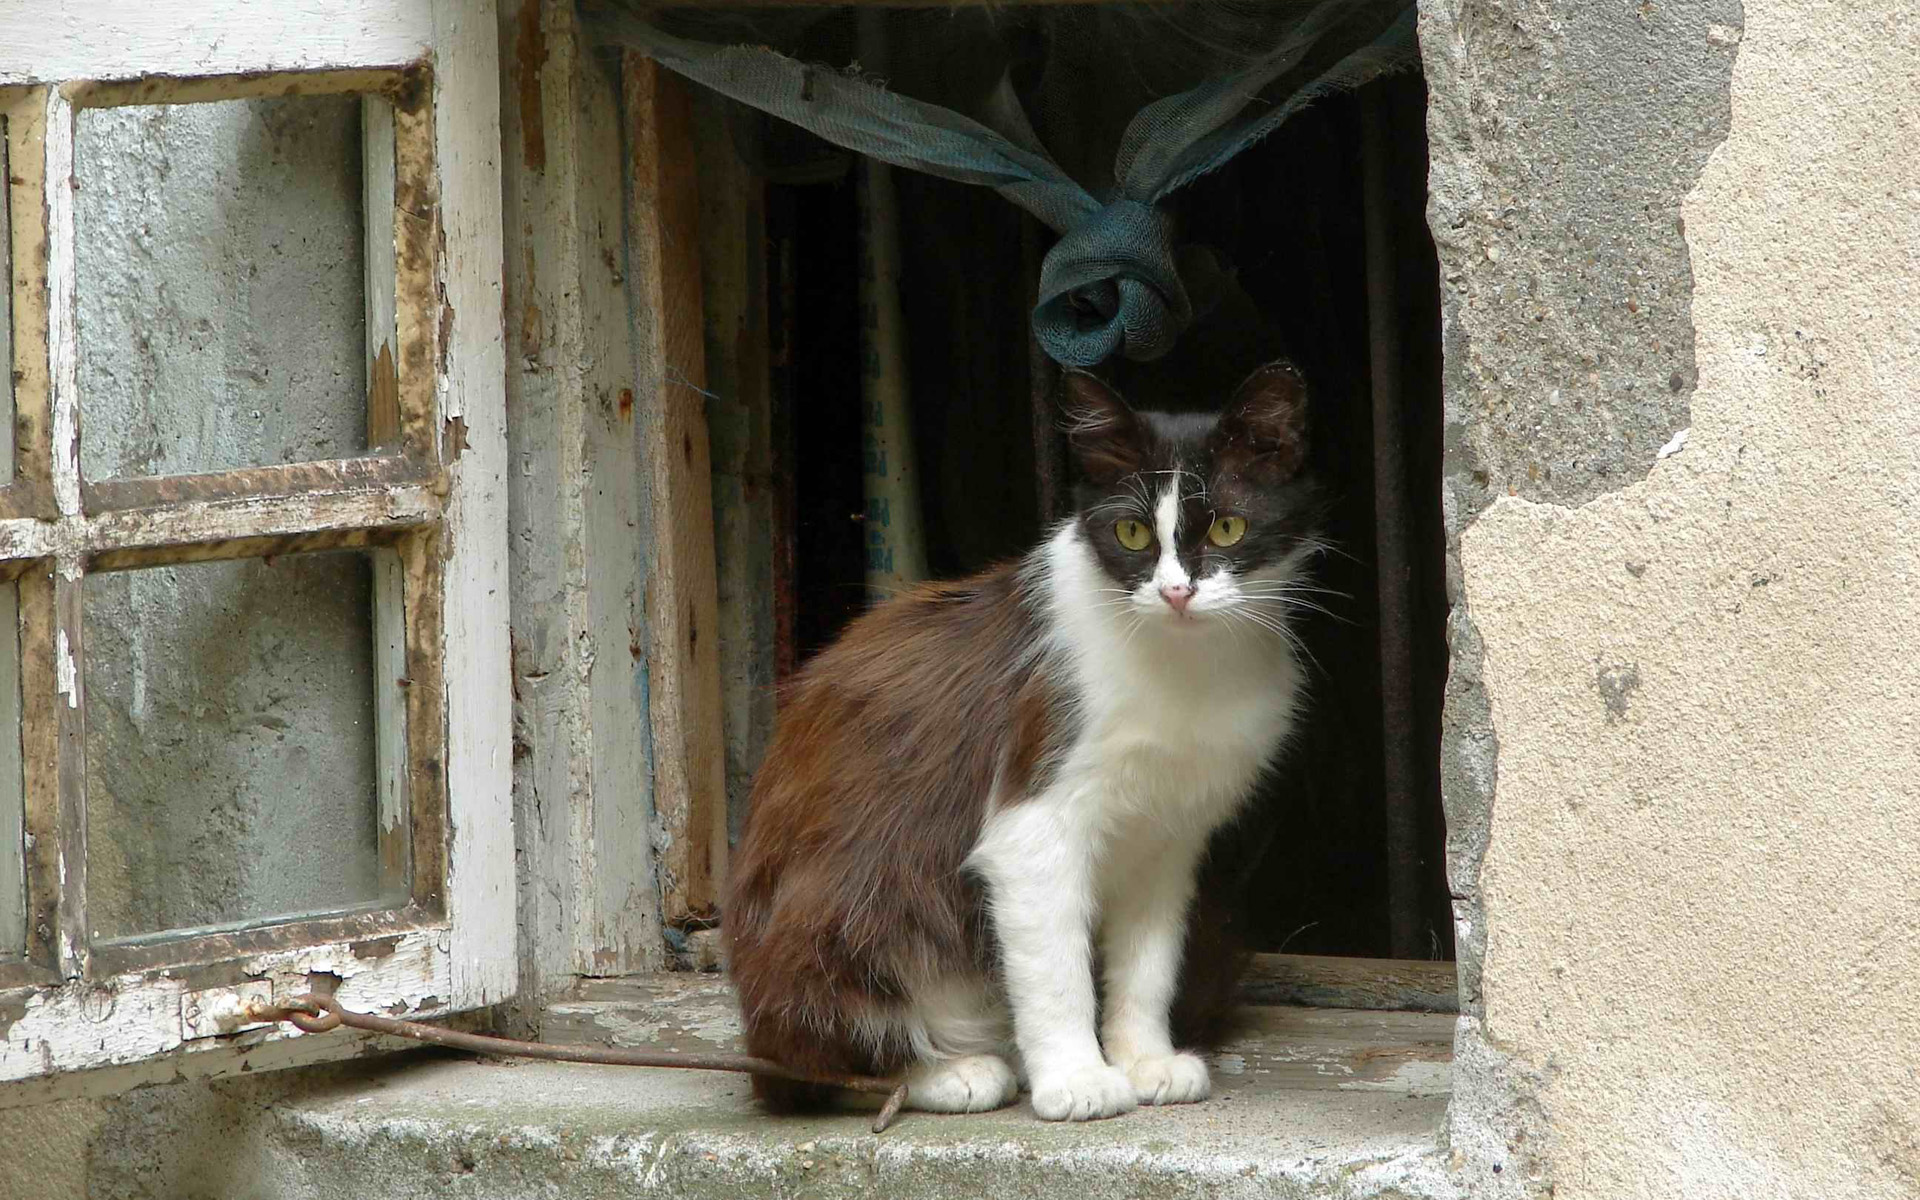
(1086, 1094)
(1169, 1079)
(975, 1083)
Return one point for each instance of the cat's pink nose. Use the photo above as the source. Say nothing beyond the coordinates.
(1177, 594)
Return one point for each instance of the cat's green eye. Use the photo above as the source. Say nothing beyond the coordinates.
(1227, 530)
(1132, 534)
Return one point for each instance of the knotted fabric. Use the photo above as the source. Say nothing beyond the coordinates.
(1110, 284)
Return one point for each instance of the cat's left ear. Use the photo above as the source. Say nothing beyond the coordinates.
(1107, 438)
(1263, 430)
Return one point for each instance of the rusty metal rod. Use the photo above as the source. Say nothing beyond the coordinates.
(319, 1014)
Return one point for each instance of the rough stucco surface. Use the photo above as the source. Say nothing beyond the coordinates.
(1705, 851)
(1563, 136)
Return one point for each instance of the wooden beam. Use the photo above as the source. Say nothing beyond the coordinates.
(1376, 983)
(733, 258)
(683, 662)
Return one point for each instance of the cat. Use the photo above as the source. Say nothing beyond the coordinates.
(985, 788)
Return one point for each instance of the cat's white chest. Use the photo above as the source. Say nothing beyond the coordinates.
(1182, 742)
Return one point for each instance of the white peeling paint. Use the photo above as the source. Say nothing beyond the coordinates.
(66, 673)
(83, 39)
(62, 273)
(1675, 445)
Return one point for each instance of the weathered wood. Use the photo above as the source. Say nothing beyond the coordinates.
(392, 770)
(733, 235)
(895, 534)
(423, 312)
(209, 1058)
(471, 360)
(220, 946)
(379, 157)
(1367, 983)
(40, 753)
(13, 806)
(72, 933)
(783, 296)
(453, 947)
(63, 346)
(432, 785)
(121, 1019)
(582, 778)
(371, 474)
(244, 527)
(200, 89)
(52, 42)
(683, 665)
(25, 110)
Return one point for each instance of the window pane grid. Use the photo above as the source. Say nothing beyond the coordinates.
(57, 528)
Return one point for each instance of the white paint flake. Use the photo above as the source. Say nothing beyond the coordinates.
(1674, 445)
(66, 674)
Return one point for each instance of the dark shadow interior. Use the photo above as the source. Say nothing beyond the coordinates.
(1339, 857)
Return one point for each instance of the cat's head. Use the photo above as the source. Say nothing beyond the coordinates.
(1198, 520)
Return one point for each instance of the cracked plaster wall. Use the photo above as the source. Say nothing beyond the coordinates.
(1680, 755)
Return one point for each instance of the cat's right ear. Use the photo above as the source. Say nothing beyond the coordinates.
(1104, 433)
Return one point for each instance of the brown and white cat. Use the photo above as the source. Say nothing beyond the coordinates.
(984, 787)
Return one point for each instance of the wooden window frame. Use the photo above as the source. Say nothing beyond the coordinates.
(428, 493)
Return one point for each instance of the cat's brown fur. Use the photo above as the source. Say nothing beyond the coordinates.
(836, 901)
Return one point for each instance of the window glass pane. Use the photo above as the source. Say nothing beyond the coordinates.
(221, 285)
(13, 891)
(233, 755)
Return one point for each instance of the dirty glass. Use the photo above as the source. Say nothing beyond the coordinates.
(234, 742)
(222, 292)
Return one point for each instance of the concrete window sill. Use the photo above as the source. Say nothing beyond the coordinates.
(1307, 1102)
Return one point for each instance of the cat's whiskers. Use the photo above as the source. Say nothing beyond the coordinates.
(1292, 603)
(1269, 622)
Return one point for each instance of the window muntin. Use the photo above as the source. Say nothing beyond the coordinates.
(395, 499)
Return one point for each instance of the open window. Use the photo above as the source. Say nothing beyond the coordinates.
(254, 603)
(1319, 228)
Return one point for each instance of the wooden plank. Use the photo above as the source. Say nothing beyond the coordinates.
(244, 1053)
(329, 476)
(40, 753)
(77, 39)
(122, 1019)
(63, 347)
(622, 932)
(683, 665)
(733, 279)
(244, 527)
(200, 89)
(470, 354)
(208, 950)
(6, 297)
(582, 777)
(783, 298)
(378, 159)
(72, 933)
(422, 312)
(430, 784)
(391, 759)
(1363, 983)
(13, 801)
(32, 384)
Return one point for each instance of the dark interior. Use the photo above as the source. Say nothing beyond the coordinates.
(1342, 855)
